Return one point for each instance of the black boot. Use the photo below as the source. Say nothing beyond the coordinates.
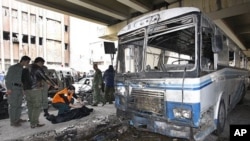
(46, 113)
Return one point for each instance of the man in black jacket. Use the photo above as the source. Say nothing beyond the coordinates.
(33, 78)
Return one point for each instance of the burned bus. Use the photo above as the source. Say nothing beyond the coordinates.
(178, 74)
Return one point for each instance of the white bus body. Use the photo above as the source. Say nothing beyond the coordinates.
(178, 74)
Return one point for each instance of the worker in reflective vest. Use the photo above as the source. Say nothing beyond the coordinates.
(64, 101)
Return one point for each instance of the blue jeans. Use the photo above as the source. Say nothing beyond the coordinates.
(62, 107)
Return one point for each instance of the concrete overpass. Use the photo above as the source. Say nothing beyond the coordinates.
(233, 16)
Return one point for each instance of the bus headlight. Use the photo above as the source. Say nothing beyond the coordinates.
(182, 113)
(121, 90)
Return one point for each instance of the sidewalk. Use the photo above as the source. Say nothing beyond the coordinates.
(74, 129)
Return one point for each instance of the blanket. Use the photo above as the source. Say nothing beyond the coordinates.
(72, 114)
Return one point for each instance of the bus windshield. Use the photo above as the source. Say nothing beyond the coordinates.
(130, 53)
(168, 46)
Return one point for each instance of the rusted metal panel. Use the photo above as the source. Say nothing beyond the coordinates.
(147, 101)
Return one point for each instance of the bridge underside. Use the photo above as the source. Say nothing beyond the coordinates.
(231, 15)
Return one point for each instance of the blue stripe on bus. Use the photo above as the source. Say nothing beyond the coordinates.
(194, 107)
(189, 86)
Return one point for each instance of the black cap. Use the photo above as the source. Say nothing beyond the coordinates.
(39, 59)
(25, 58)
(71, 87)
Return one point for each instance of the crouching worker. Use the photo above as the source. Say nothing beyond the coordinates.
(64, 101)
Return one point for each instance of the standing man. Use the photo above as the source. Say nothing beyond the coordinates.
(108, 77)
(68, 79)
(45, 101)
(32, 79)
(15, 90)
(97, 86)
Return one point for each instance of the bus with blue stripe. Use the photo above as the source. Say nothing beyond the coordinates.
(178, 74)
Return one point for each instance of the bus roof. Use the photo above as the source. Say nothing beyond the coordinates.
(155, 17)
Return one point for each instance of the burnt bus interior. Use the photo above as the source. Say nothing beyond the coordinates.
(176, 46)
(171, 46)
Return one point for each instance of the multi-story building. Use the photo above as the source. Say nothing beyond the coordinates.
(32, 31)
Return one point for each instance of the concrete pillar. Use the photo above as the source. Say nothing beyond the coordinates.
(11, 38)
(44, 35)
(62, 39)
(20, 35)
(37, 32)
(1, 38)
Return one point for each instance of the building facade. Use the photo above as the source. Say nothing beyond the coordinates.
(33, 31)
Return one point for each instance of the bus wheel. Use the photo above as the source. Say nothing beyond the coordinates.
(221, 120)
(243, 93)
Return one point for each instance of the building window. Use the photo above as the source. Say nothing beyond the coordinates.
(40, 41)
(24, 16)
(14, 13)
(33, 18)
(33, 40)
(66, 28)
(66, 46)
(6, 35)
(15, 38)
(5, 11)
(25, 39)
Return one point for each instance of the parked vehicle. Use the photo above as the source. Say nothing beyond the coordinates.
(62, 72)
(86, 95)
(84, 89)
(2, 80)
(84, 84)
(3, 104)
(54, 77)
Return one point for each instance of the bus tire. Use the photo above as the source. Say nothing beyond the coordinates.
(243, 93)
(221, 119)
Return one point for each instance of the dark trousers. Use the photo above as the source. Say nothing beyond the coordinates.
(62, 107)
(15, 105)
(109, 93)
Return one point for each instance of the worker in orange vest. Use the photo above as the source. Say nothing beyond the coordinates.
(63, 100)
